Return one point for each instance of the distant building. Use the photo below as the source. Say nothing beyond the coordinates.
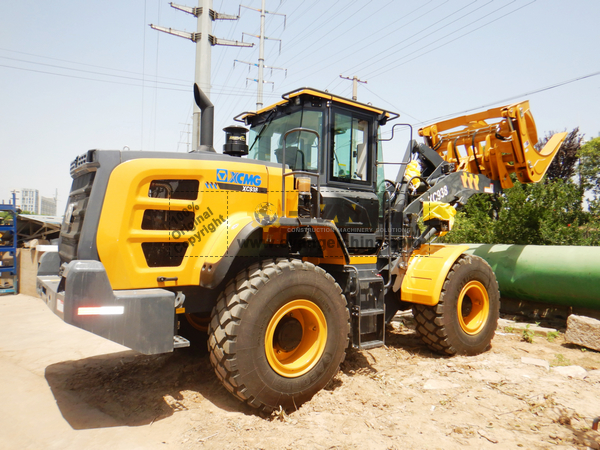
(48, 206)
(28, 200)
(31, 201)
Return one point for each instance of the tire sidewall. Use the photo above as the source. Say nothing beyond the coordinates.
(309, 283)
(476, 270)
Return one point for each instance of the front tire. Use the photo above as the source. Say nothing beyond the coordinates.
(465, 319)
(278, 333)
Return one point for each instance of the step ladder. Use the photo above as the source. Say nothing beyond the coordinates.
(368, 310)
(180, 342)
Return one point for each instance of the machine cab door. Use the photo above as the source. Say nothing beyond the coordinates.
(348, 195)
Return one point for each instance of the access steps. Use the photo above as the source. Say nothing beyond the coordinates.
(367, 309)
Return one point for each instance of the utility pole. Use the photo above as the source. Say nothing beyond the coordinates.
(261, 52)
(355, 82)
(203, 40)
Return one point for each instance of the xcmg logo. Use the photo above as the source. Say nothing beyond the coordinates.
(229, 176)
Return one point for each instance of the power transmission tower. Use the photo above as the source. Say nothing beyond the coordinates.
(261, 52)
(187, 133)
(203, 40)
(355, 82)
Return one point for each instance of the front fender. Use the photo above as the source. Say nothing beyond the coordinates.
(427, 271)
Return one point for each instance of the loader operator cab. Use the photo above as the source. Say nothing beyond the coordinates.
(344, 155)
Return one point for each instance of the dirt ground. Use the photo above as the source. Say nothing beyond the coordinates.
(396, 397)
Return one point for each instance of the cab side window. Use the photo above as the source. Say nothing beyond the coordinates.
(350, 162)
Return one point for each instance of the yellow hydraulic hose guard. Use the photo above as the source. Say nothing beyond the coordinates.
(439, 210)
(412, 171)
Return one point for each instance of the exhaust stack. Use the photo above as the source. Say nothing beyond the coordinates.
(206, 121)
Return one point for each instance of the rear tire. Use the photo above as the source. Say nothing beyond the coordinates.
(278, 333)
(465, 319)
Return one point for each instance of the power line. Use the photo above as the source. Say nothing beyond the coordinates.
(507, 99)
(309, 47)
(337, 83)
(203, 40)
(290, 14)
(143, 75)
(229, 36)
(222, 92)
(89, 79)
(270, 54)
(428, 28)
(261, 52)
(79, 63)
(154, 111)
(316, 25)
(387, 69)
(370, 44)
(312, 31)
(233, 106)
(426, 13)
(355, 82)
(386, 59)
(93, 72)
(185, 83)
(387, 101)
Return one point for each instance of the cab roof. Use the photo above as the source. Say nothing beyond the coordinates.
(316, 93)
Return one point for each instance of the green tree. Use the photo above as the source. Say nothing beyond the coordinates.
(589, 172)
(547, 213)
(565, 162)
(527, 214)
(475, 222)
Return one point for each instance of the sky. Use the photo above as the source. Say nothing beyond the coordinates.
(87, 75)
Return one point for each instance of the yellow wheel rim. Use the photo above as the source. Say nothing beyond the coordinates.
(473, 307)
(198, 322)
(295, 338)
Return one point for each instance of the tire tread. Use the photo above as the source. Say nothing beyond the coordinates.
(430, 319)
(227, 314)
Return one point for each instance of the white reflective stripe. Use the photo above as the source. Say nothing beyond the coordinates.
(100, 310)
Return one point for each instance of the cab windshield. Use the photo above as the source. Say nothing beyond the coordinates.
(302, 150)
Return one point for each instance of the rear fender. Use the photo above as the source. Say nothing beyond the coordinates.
(223, 247)
(427, 271)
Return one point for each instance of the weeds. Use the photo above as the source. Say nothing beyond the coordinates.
(561, 360)
(280, 415)
(552, 335)
(528, 334)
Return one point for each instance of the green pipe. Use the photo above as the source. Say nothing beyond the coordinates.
(561, 275)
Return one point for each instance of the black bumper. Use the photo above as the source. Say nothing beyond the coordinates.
(141, 319)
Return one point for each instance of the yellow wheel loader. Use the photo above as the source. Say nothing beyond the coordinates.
(290, 246)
